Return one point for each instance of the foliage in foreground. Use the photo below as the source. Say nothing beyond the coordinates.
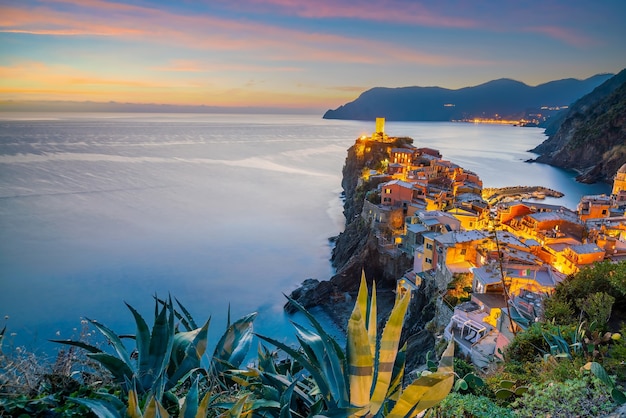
(165, 373)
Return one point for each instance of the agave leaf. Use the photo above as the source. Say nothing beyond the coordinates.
(326, 361)
(142, 339)
(103, 409)
(187, 351)
(425, 392)
(117, 344)
(319, 328)
(236, 409)
(133, 410)
(161, 342)
(372, 321)
(79, 344)
(188, 320)
(316, 373)
(117, 367)
(395, 388)
(235, 342)
(285, 401)
(190, 404)
(266, 361)
(183, 320)
(387, 353)
(154, 409)
(360, 360)
(204, 405)
(281, 383)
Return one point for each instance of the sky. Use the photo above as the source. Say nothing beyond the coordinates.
(310, 55)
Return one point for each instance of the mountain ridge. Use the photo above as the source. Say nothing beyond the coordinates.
(503, 97)
(591, 136)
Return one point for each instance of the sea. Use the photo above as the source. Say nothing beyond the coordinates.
(226, 213)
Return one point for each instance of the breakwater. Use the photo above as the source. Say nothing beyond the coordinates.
(494, 195)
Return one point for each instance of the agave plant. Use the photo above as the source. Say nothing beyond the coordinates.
(164, 357)
(367, 381)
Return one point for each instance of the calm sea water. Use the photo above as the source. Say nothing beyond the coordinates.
(216, 210)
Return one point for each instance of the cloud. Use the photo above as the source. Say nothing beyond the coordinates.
(397, 12)
(565, 35)
(205, 32)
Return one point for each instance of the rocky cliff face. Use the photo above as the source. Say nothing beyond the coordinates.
(591, 138)
(356, 248)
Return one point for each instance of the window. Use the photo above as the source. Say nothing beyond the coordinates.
(387, 191)
(463, 251)
(429, 260)
(604, 211)
(429, 246)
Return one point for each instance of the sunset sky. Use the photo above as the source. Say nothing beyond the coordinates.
(311, 55)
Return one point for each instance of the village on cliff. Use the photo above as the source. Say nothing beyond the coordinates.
(493, 260)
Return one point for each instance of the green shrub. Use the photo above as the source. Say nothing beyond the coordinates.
(470, 406)
(527, 346)
(583, 397)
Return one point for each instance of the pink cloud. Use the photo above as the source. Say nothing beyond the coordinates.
(564, 35)
(102, 18)
(411, 12)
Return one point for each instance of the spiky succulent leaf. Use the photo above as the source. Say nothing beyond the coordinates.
(115, 341)
(327, 360)
(266, 360)
(160, 349)
(142, 339)
(235, 342)
(360, 359)
(186, 318)
(388, 348)
(395, 388)
(319, 328)
(79, 344)
(187, 351)
(425, 392)
(118, 368)
(315, 372)
(190, 403)
(372, 320)
(102, 408)
(154, 409)
(133, 409)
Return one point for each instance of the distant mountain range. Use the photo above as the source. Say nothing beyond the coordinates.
(590, 136)
(503, 98)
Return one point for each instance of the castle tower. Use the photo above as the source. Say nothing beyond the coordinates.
(380, 126)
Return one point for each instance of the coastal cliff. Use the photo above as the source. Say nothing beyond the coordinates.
(357, 250)
(591, 137)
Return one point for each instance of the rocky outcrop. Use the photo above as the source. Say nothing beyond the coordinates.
(591, 137)
(356, 248)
